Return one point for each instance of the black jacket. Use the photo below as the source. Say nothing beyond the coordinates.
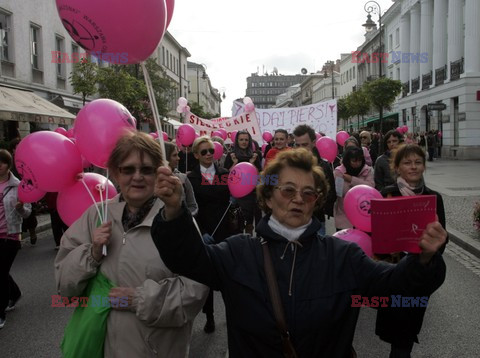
(322, 273)
(402, 325)
(212, 200)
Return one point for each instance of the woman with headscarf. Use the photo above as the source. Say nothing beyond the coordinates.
(354, 172)
(243, 151)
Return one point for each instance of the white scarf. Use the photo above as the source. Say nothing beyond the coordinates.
(286, 232)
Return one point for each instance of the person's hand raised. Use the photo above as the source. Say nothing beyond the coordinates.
(168, 188)
(433, 238)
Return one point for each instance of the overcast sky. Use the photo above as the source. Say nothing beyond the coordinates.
(235, 38)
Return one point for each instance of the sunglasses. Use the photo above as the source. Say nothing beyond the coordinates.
(130, 170)
(289, 192)
(205, 151)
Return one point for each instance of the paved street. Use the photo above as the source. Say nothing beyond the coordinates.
(35, 329)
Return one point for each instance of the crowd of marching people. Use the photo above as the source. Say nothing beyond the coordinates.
(175, 233)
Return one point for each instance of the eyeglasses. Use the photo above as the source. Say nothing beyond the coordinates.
(130, 170)
(205, 151)
(289, 192)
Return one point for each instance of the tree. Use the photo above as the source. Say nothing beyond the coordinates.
(126, 84)
(84, 78)
(342, 110)
(382, 92)
(358, 104)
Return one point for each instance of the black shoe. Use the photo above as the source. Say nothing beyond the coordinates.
(12, 303)
(33, 240)
(209, 326)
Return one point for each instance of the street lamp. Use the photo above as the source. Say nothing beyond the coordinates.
(331, 64)
(204, 77)
(373, 7)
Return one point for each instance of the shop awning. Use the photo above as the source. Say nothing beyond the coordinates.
(385, 116)
(25, 106)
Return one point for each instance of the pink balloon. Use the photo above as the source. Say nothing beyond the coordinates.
(165, 136)
(359, 237)
(439, 134)
(154, 135)
(196, 136)
(264, 145)
(170, 7)
(357, 206)
(327, 148)
(28, 194)
(342, 136)
(233, 135)
(98, 126)
(61, 130)
(267, 136)
(223, 133)
(218, 150)
(71, 133)
(98, 27)
(185, 135)
(182, 101)
(318, 135)
(216, 134)
(47, 161)
(405, 129)
(249, 107)
(73, 201)
(242, 179)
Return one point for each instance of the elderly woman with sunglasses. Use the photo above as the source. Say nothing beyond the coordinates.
(158, 307)
(313, 275)
(209, 184)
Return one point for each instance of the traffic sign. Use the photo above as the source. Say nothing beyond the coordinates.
(436, 106)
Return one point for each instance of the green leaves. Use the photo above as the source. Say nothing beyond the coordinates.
(126, 84)
(382, 92)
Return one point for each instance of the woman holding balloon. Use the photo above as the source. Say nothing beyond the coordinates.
(157, 308)
(209, 184)
(12, 211)
(352, 172)
(243, 151)
(401, 327)
(313, 276)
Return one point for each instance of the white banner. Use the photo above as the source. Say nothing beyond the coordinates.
(245, 121)
(321, 116)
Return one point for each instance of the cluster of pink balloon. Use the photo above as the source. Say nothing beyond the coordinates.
(249, 106)
(52, 161)
(357, 208)
(402, 129)
(97, 26)
(154, 135)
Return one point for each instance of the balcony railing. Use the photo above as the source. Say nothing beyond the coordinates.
(456, 69)
(405, 88)
(415, 84)
(426, 80)
(440, 75)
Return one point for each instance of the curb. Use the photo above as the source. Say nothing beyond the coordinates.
(41, 227)
(465, 242)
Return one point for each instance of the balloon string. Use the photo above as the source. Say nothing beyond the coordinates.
(105, 211)
(225, 213)
(93, 199)
(153, 105)
(101, 202)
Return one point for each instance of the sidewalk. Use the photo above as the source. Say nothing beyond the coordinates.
(459, 183)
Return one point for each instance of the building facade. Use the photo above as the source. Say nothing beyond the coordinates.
(263, 90)
(31, 38)
(201, 90)
(440, 71)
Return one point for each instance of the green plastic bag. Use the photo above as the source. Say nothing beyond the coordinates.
(85, 332)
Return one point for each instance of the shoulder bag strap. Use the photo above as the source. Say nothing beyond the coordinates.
(287, 346)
